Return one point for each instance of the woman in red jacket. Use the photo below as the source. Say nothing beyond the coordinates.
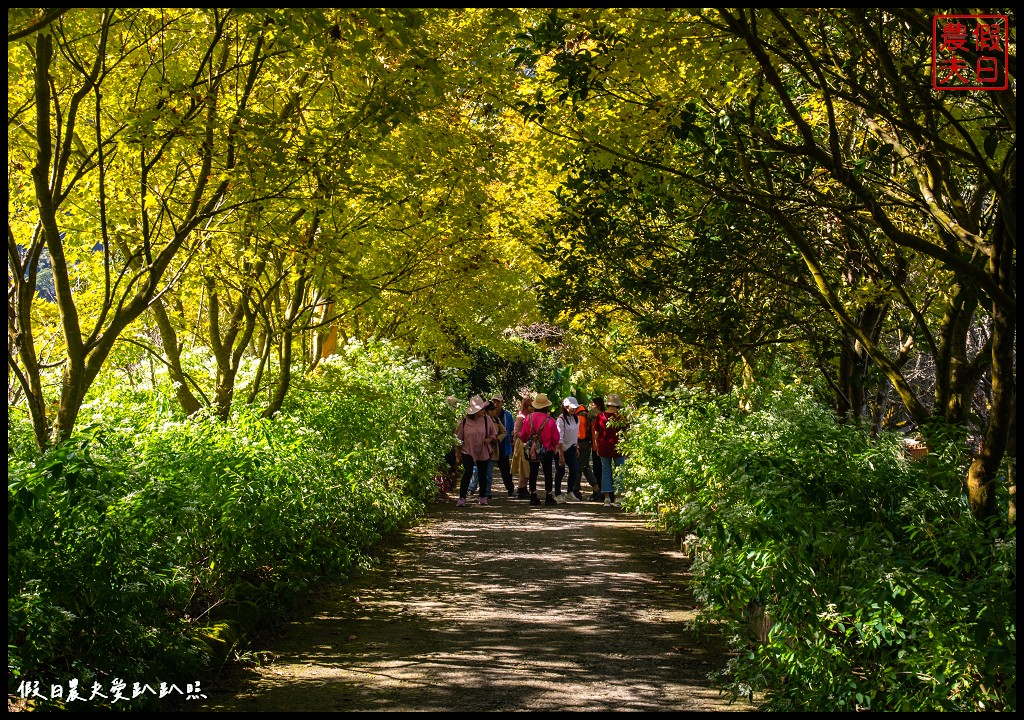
(606, 442)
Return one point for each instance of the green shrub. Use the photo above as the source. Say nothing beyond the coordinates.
(882, 591)
(128, 539)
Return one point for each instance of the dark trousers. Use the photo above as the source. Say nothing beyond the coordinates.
(573, 481)
(467, 475)
(504, 464)
(546, 458)
(587, 466)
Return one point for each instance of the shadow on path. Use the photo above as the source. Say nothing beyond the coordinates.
(499, 608)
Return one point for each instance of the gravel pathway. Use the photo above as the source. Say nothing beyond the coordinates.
(500, 608)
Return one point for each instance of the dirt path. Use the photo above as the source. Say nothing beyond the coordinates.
(499, 608)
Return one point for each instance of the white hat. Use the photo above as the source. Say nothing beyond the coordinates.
(476, 404)
(571, 403)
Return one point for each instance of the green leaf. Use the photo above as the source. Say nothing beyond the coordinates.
(991, 144)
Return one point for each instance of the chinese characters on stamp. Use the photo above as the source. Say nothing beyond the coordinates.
(970, 52)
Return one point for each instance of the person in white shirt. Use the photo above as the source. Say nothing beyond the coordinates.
(569, 433)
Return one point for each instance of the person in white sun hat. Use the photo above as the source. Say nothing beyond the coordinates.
(569, 433)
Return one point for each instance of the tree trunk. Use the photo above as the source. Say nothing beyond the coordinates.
(953, 371)
(284, 377)
(291, 315)
(228, 345)
(1002, 415)
(72, 394)
(22, 359)
(850, 400)
(265, 347)
(172, 353)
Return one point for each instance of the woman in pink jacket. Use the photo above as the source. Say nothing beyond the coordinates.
(477, 434)
(540, 423)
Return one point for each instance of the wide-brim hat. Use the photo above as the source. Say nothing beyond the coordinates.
(571, 403)
(476, 404)
(613, 400)
(453, 402)
(541, 401)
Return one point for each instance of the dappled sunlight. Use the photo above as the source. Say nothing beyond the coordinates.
(503, 607)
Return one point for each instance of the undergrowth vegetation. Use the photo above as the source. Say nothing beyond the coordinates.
(144, 542)
(847, 576)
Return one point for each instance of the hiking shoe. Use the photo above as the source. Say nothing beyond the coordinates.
(550, 500)
(616, 504)
(483, 501)
(577, 496)
(596, 497)
(461, 502)
(560, 499)
(607, 502)
(523, 494)
(534, 500)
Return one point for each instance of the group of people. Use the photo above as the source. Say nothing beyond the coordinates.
(561, 445)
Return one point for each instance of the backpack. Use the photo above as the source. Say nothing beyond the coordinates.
(584, 433)
(533, 447)
(502, 430)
